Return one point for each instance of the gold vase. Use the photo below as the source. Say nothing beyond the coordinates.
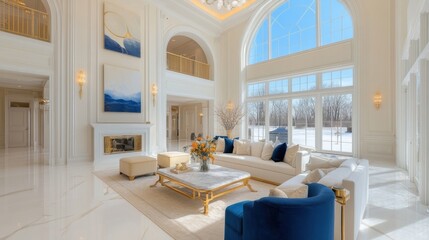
(228, 133)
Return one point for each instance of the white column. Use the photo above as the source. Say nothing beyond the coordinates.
(424, 131)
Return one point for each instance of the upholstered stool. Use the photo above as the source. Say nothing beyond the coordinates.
(170, 159)
(138, 165)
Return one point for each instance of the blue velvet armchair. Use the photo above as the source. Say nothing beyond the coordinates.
(283, 218)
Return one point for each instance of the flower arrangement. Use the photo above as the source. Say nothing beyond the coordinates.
(203, 149)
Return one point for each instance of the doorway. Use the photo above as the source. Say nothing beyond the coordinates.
(19, 127)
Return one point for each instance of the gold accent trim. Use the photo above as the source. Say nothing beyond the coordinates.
(342, 195)
(206, 196)
(218, 15)
(265, 181)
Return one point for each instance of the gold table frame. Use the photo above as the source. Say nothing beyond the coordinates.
(205, 195)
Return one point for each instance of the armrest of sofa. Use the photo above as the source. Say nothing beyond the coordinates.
(357, 184)
(301, 159)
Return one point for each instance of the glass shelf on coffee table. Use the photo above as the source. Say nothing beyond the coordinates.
(204, 185)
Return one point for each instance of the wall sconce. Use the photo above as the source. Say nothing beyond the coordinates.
(230, 105)
(81, 79)
(43, 101)
(377, 100)
(154, 92)
(201, 114)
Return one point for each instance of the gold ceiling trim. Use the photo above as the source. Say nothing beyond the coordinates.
(219, 15)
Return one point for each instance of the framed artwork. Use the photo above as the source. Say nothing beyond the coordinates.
(122, 90)
(121, 30)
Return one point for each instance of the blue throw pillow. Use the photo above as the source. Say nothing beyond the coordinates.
(216, 137)
(279, 152)
(229, 145)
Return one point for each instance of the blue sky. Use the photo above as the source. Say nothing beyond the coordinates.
(293, 28)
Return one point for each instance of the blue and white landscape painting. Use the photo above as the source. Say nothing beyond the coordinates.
(121, 30)
(122, 90)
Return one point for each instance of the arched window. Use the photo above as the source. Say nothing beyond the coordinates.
(28, 18)
(300, 25)
(311, 103)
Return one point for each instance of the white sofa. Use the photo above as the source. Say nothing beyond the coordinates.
(353, 177)
(265, 170)
(350, 173)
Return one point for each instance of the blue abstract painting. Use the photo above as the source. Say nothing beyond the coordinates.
(122, 90)
(121, 30)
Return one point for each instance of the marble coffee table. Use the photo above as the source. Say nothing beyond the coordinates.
(205, 186)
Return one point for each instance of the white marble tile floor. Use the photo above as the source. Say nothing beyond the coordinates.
(68, 202)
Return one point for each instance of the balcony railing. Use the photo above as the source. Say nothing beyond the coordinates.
(19, 19)
(181, 64)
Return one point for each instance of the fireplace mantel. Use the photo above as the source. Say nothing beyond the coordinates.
(107, 129)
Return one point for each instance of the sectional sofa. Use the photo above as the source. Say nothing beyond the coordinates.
(350, 173)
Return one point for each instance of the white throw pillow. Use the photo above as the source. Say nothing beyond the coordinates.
(256, 149)
(290, 156)
(234, 150)
(220, 145)
(295, 191)
(267, 152)
(275, 192)
(242, 147)
(350, 163)
(320, 162)
(335, 177)
(314, 176)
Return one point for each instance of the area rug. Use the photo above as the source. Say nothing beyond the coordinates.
(178, 215)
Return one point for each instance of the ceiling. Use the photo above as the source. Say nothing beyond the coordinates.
(22, 81)
(223, 13)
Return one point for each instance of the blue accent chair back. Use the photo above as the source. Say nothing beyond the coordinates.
(309, 218)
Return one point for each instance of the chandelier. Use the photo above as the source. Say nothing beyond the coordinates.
(228, 4)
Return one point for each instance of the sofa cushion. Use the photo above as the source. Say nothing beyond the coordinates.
(242, 147)
(234, 150)
(335, 177)
(295, 191)
(291, 155)
(267, 151)
(256, 148)
(256, 162)
(279, 152)
(321, 162)
(274, 192)
(220, 145)
(314, 176)
(229, 145)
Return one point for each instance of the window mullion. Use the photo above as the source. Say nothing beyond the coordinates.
(318, 44)
(269, 37)
(319, 118)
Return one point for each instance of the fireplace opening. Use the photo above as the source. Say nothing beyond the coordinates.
(123, 143)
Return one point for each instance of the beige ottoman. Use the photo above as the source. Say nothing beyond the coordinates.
(138, 165)
(169, 159)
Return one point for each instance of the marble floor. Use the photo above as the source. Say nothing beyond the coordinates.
(68, 202)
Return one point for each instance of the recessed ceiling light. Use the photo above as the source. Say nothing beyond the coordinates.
(19, 86)
(173, 40)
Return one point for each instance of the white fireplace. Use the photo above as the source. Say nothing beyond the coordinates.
(103, 131)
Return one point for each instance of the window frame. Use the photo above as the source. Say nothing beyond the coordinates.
(318, 93)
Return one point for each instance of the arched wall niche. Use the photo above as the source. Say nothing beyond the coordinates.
(196, 36)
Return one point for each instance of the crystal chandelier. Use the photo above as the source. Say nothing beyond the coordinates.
(228, 4)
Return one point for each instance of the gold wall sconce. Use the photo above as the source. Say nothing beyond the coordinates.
(43, 101)
(81, 79)
(154, 91)
(230, 106)
(377, 99)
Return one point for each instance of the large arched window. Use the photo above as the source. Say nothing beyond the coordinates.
(310, 103)
(300, 25)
